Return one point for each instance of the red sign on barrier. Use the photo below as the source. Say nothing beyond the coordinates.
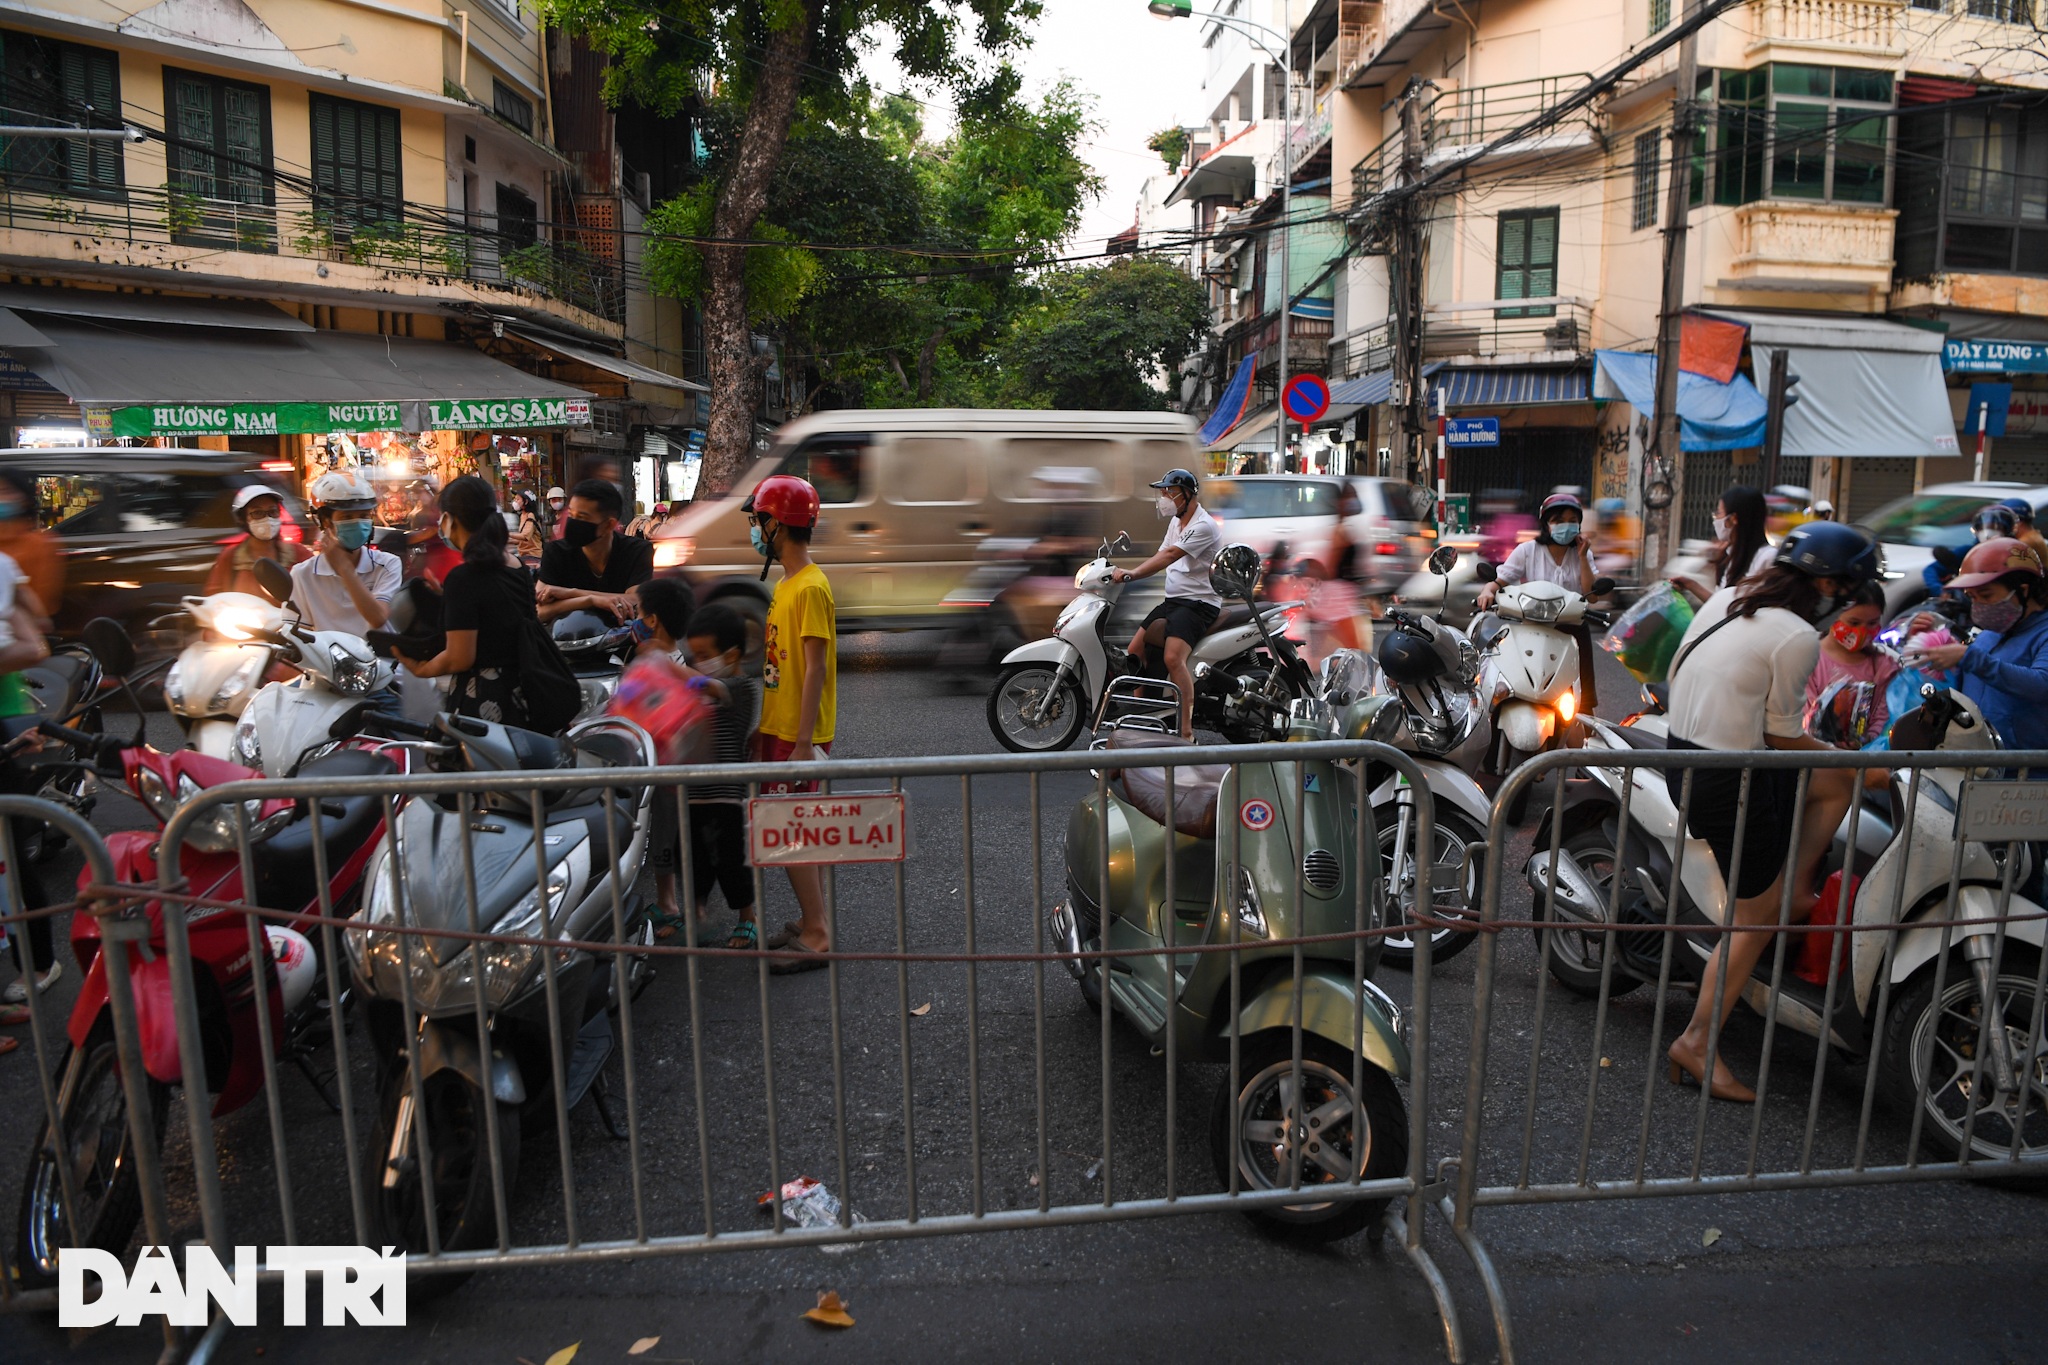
(784, 831)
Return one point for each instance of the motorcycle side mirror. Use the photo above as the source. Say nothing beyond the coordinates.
(1487, 630)
(1443, 559)
(110, 645)
(275, 580)
(1484, 572)
(1236, 572)
(1122, 544)
(1602, 586)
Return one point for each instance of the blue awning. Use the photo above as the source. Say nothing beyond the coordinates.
(1230, 407)
(1516, 385)
(1370, 390)
(1711, 416)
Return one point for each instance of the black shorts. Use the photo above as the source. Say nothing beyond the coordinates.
(1185, 618)
(1767, 837)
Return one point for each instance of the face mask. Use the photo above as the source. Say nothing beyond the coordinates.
(353, 535)
(759, 542)
(10, 510)
(555, 506)
(714, 667)
(579, 533)
(1564, 532)
(1164, 506)
(1720, 528)
(264, 528)
(445, 526)
(1998, 616)
(1855, 639)
(1987, 533)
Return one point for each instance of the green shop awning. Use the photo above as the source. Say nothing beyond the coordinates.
(142, 379)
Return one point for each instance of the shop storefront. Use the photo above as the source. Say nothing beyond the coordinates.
(1998, 387)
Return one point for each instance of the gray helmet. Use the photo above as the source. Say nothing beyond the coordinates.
(1178, 479)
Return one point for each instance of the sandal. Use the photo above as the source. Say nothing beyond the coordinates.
(8, 1045)
(745, 936)
(790, 932)
(12, 1016)
(665, 925)
(809, 961)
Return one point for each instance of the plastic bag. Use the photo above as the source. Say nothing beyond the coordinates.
(676, 708)
(1644, 638)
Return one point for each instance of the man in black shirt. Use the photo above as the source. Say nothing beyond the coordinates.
(592, 567)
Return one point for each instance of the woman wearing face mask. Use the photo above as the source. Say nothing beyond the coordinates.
(1741, 550)
(2005, 668)
(1738, 682)
(260, 513)
(1560, 554)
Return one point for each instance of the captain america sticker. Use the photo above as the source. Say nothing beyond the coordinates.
(1256, 814)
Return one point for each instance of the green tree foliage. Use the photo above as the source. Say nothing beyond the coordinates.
(1171, 144)
(1103, 337)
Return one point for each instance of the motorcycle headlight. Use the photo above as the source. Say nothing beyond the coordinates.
(352, 676)
(451, 984)
(1542, 610)
(238, 682)
(155, 794)
(247, 747)
(1251, 916)
(215, 831)
(174, 685)
(1468, 664)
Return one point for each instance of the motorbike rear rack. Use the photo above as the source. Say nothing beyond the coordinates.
(1153, 703)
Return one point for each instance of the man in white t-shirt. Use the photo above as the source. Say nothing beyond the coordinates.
(348, 584)
(1191, 544)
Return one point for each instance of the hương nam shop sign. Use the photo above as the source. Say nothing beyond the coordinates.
(314, 419)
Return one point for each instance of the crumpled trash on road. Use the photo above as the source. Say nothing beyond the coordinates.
(807, 1203)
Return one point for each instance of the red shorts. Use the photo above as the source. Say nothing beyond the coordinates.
(769, 749)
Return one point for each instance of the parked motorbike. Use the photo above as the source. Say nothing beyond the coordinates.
(211, 683)
(1048, 690)
(1432, 670)
(286, 724)
(1529, 668)
(597, 654)
(66, 689)
(234, 967)
(430, 886)
(1261, 882)
(1968, 1077)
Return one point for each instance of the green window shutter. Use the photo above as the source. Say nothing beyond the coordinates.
(1514, 257)
(191, 156)
(355, 160)
(1527, 260)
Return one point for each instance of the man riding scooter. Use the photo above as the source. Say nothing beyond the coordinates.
(348, 584)
(1192, 603)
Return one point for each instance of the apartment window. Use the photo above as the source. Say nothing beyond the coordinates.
(1996, 204)
(518, 217)
(45, 81)
(220, 154)
(355, 161)
(512, 107)
(1660, 15)
(2003, 11)
(1526, 262)
(1795, 132)
(1648, 162)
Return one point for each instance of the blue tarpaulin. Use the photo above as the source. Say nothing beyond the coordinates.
(1711, 416)
(1231, 407)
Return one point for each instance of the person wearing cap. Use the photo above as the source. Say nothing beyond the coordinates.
(259, 511)
(558, 512)
(1993, 521)
(2005, 668)
(1823, 510)
(2023, 513)
(1560, 555)
(1192, 542)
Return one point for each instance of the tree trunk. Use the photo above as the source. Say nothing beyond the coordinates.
(728, 339)
(925, 359)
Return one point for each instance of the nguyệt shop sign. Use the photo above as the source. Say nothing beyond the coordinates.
(1994, 357)
(313, 419)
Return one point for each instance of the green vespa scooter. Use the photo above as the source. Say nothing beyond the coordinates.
(1261, 853)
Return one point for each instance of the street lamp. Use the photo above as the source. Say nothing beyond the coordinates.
(1184, 9)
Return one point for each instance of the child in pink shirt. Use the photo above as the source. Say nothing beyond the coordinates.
(1849, 650)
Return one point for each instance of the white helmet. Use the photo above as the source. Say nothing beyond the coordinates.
(342, 490)
(297, 964)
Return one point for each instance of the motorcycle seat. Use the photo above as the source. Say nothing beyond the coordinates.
(1195, 786)
(285, 878)
(1231, 617)
(1639, 739)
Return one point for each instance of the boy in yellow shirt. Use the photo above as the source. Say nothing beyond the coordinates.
(799, 684)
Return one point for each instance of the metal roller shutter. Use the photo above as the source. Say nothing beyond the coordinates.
(1873, 482)
(2022, 459)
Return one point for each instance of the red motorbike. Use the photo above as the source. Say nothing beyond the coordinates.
(279, 972)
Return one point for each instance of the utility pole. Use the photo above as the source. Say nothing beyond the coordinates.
(1664, 484)
(1286, 235)
(1406, 261)
(1774, 413)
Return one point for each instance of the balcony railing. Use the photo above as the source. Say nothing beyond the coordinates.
(1466, 118)
(1500, 330)
(423, 241)
(1311, 132)
(1869, 25)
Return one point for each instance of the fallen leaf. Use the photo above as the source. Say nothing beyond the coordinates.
(1710, 1236)
(565, 1355)
(643, 1346)
(830, 1312)
(923, 1010)
(1607, 1061)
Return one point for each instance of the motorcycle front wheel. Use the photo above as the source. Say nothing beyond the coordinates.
(463, 1210)
(1452, 836)
(1937, 1056)
(1574, 956)
(1333, 1133)
(1026, 713)
(101, 1154)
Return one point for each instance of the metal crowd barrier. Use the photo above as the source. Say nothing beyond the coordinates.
(1633, 1135)
(893, 1155)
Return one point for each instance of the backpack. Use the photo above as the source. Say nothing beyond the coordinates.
(553, 696)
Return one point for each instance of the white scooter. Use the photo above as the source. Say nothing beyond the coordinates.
(1971, 1076)
(1529, 672)
(286, 723)
(212, 681)
(1048, 689)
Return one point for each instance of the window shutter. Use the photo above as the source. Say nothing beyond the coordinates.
(1514, 256)
(1542, 278)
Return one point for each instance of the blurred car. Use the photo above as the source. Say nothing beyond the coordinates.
(1299, 510)
(140, 528)
(1911, 528)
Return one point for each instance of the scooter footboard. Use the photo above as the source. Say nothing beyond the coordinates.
(1330, 1008)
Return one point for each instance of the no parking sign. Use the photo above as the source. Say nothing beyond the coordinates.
(1307, 397)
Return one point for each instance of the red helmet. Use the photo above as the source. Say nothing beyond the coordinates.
(785, 497)
(1993, 560)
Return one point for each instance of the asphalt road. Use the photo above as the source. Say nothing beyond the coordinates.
(1922, 1272)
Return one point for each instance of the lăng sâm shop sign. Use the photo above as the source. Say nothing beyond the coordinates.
(145, 420)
